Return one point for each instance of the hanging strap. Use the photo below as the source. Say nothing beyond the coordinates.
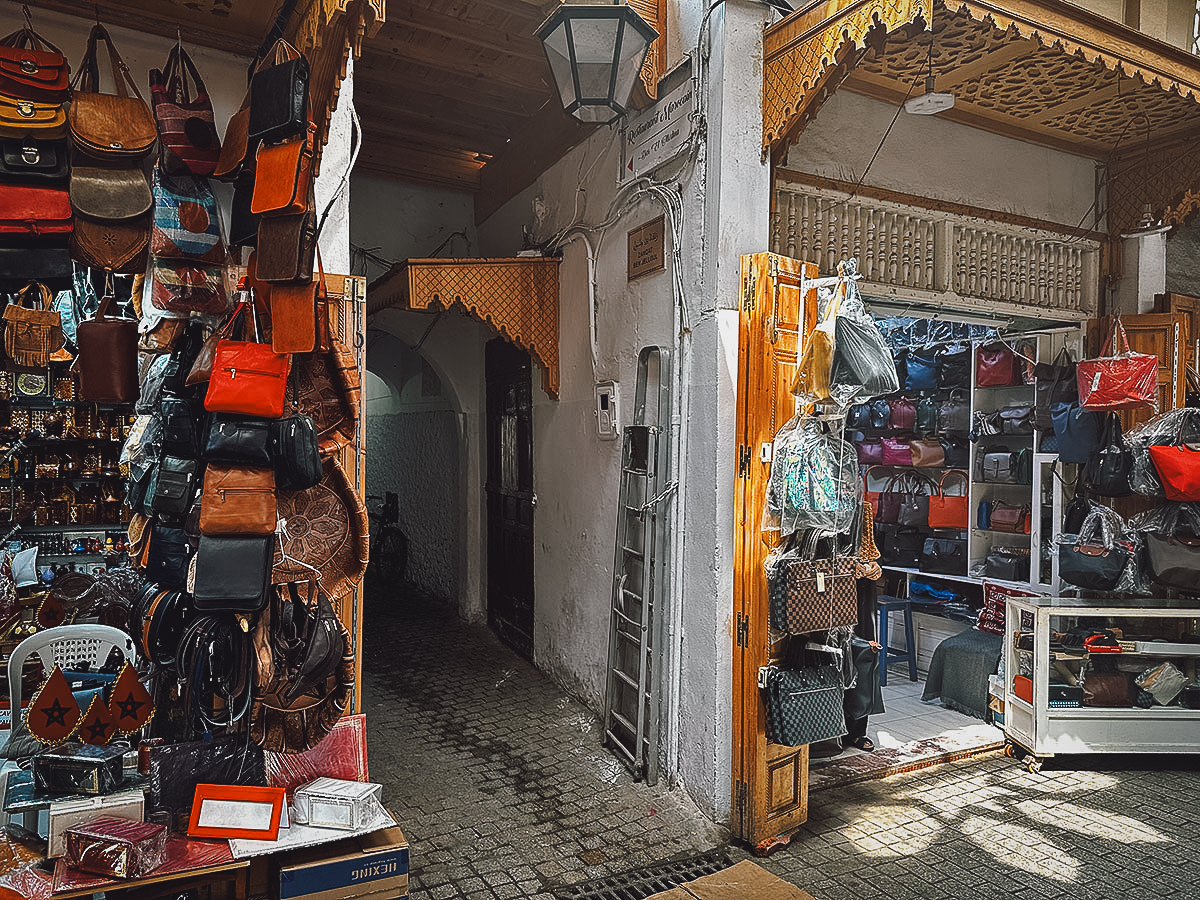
(27, 38)
(87, 79)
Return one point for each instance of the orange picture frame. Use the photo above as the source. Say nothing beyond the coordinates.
(236, 811)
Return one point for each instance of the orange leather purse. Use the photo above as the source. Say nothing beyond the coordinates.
(294, 312)
(283, 176)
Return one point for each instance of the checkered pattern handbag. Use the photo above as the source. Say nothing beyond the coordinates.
(804, 705)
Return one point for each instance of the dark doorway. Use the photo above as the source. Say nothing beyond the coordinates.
(510, 498)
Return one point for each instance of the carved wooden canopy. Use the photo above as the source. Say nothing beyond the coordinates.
(517, 297)
(1047, 72)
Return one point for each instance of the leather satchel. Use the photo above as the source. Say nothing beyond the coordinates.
(283, 176)
(248, 378)
(296, 453)
(927, 453)
(33, 160)
(31, 68)
(239, 439)
(237, 499)
(188, 142)
(173, 486)
(294, 314)
(21, 117)
(30, 211)
(954, 414)
(1017, 419)
(107, 357)
(286, 247)
(233, 572)
(114, 128)
(1008, 517)
(279, 95)
(32, 333)
(813, 594)
(235, 146)
(122, 247)
(182, 425)
(110, 194)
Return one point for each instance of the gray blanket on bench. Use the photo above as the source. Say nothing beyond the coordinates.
(959, 670)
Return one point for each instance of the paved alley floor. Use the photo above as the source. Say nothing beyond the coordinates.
(503, 789)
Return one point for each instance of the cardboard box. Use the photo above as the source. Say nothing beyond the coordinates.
(368, 867)
(744, 881)
(66, 813)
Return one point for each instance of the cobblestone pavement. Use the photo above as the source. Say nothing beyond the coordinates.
(502, 787)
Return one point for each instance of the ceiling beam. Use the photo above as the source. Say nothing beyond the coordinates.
(503, 69)
(436, 133)
(422, 80)
(165, 24)
(986, 63)
(477, 33)
(420, 164)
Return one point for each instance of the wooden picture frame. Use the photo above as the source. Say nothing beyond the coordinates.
(234, 811)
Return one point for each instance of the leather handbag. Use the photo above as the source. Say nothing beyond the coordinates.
(858, 417)
(1077, 430)
(294, 314)
(996, 366)
(233, 572)
(176, 769)
(173, 487)
(279, 95)
(169, 554)
(109, 194)
(243, 224)
(899, 547)
(804, 705)
(32, 333)
(1017, 419)
(869, 452)
(237, 499)
(1090, 564)
(949, 510)
(1127, 380)
(114, 128)
(1108, 689)
(187, 135)
(248, 378)
(21, 117)
(903, 415)
(1009, 517)
(295, 452)
(31, 68)
(286, 247)
(880, 413)
(1007, 563)
(1178, 469)
(1006, 467)
(954, 365)
(954, 413)
(33, 211)
(283, 176)
(235, 146)
(896, 452)
(943, 556)
(182, 287)
(956, 451)
(182, 425)
(1110, 463)
(1173, 559)
(927, 415)
(927, 453)
(1053, 384)
(186, 221)
(914, 510)
(239, 439)
(122, 247)
(921, 371)
(107, 356)
(38, 161)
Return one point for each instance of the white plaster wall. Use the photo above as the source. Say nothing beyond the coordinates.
(931, 157)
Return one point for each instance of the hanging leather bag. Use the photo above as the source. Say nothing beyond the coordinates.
(927, 417)
(186, 221)
(927, 453)
(114, 128)
(174, 486)
(168, 556)
(295, 453)
(1173, 557)
(1077, 430)
(237, 499)
(996, 366)
(1109, 465)
(239, 439)
(1127, 380)
(283, 176)
(33, 212)
(235, 146)
(921, 371)
(107, 358)
(1053, 384)
(286, 247)
(904, 414)
(32, 332)
(110, 194)
(949, 510)
(1009, 518)
(188, 142)
(121, 247)
(31, 68)
(182, 425)
(248, 377)
(19, 118)
(233, 572)
(954, 413)
(279, 95)
(954, 365)
(32, 160)
(294, 314)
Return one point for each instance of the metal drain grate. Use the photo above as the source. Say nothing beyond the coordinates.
(641, 883)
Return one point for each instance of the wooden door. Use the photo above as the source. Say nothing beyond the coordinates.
(1165, 335)
(1190, 306)
(770, 782)
(510, 497)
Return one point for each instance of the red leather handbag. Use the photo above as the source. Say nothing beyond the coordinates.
(996, 366)
(949, 510)
(248, 377)
(896, 452)
(31, 68)
(34, 211)
(1128, 380)
(1178, 469)
(904, 414)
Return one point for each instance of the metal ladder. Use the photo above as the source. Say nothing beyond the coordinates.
(631, 702)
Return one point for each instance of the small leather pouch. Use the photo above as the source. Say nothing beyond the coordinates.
(182, 424)
(239, 439)
(237, 499)
(233, 572)
(287, 247)
(296, 452)
(110, 194)
(168, 557)
(173, 486)
(34, 211)
(33, 160)
(279, 95)
(283, 176)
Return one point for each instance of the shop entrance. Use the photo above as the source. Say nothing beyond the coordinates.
(510, 497)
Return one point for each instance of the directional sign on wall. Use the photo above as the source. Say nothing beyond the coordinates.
(655, 134)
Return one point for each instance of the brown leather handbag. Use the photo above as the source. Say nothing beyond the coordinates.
(1010, 518)
(286, 248)
(32, 333)
(114, 128)
(108, 357)
(122, 247)
(927, 453)
(294, 314)
(237, 499)
(42, 120)
(283, 176)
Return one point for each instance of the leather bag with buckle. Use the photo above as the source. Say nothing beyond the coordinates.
(248, 378)
(21, 117)
(114, 128)
(283, 176)
(237, 499)
(31, 68)
(110, 194)
(33, 211)
(279, 95)
(107, 356)
(233, 572)
(286, 248)
(1017, 419)
(32, 333)
(188, 142)
(33, 160)
(1009, 517)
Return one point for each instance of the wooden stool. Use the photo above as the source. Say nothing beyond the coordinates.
(890, 654)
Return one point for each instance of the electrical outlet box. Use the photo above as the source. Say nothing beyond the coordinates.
(608, 423)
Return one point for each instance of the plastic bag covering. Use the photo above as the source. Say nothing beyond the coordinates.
(1157, 529)
(814, 480)
(342, 754)
(811, 384)
(21, 853)
(1105, 527)
(182, 854)
(1128, 380)
(1163, 682)
(1176, 426)
(863, 366)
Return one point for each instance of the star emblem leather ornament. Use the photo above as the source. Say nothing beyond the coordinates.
(130, 705)
(53, 713)
(50, 612)
(97, 725)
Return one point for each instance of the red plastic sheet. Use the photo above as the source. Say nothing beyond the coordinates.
(181, 855)
(343, 754)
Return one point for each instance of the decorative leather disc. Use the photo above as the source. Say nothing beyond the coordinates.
(131, 705)
(53, 713)
(51, 612)
(97, 725)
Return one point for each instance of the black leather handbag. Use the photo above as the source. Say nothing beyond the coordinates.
(899, 546)
(176, 769)
(927, 415)
(243, 224)
(1053, 384)
(182, 422)
(1017, 419)
(944, 556)
(279, 95)
(239, 439)
(1007, 564)
(956, 450)
(1089, 563)
(296, 453)
(881, 414)
(170, 554)
(954, 414)
(174, 486)
(233, 572)
(954, 365)
(139, 487)
(1110, 463)
(858, 417)
(33, 161)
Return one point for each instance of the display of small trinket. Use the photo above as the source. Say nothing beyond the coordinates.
(64, 387)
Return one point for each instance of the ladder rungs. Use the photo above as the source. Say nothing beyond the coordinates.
(624, 721)
(631, 682)
(636, 554)
(615, 744)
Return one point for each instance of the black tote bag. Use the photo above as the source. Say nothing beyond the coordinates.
(1054, 383)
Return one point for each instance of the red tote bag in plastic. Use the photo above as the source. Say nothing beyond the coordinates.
(1178, 469)
(1126, 381)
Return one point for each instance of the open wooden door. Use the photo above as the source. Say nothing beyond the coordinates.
(1165, 335)
(770, 782)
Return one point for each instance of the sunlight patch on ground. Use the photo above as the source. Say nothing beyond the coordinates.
(1096, 823)
(1021, 847)
(893, 831)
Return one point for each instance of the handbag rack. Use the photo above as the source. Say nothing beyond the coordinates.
(634, 645)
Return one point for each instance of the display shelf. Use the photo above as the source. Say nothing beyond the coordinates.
(71, 529)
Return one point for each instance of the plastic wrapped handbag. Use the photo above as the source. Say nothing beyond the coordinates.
(1127, 380)
(862, 361)
(1109, 465)
(1097, 557)
(921, 370)
(996, 366)
(954, 365)
(1171, 534)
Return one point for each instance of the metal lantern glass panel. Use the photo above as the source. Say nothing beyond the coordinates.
(595, 54)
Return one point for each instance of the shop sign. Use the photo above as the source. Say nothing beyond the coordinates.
(654, 135)
(646, 249)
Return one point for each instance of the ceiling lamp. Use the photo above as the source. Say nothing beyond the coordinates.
(595, 53)
(931, 102)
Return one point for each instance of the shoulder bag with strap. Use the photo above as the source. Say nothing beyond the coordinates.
(188, 142)
(113, 128)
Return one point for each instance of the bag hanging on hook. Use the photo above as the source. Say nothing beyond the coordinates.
(1128, 380)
